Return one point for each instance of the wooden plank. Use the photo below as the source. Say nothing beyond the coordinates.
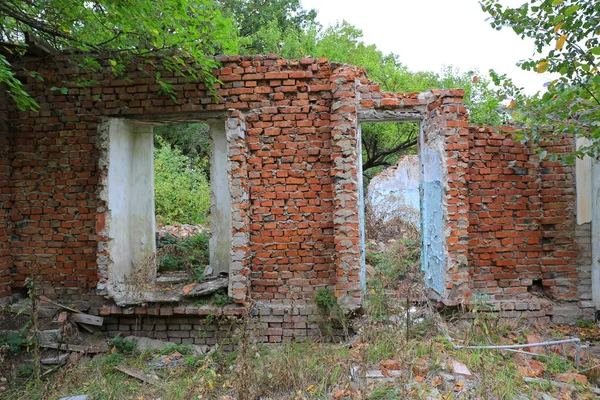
(138, 374)
(88, 319)
(47, 300)
(102, 348)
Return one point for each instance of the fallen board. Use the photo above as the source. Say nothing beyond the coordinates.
(138, 374)
(102, 348)
(88, 319)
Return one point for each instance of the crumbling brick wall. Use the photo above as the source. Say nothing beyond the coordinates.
(294, 158)
(522, 225)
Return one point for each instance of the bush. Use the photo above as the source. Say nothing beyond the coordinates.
(181, 190)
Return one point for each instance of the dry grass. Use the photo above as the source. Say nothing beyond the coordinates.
(394, 228)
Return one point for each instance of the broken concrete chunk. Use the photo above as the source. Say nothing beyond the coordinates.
(208, 287)
(58, 360)
(148, 344)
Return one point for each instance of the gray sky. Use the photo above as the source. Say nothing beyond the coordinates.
(428, 34)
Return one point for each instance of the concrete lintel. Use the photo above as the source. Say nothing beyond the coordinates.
(406, 115)
(178, 118)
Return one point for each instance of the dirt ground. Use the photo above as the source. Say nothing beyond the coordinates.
(399, 347)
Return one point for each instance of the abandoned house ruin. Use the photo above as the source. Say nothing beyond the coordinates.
(76, 197)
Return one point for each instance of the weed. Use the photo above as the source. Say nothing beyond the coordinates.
(558, 365)
(14, 341)
(123, 345)
(378, 302)
(585, 323)
(332, 315)
(180, 348)
(384, 392)
(25, 370)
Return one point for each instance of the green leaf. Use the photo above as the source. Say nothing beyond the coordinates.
(572, 9)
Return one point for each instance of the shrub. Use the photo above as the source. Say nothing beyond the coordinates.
(181, 190)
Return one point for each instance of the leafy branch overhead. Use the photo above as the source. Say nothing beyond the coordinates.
(566, 34)
(178, 30)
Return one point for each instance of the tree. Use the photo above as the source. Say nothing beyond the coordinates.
(567, 38)
(258, 20)
(176, 34)
(190, 140)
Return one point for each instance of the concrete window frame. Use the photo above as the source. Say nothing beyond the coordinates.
(126, 222)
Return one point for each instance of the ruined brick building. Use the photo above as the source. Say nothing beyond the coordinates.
(76, 202)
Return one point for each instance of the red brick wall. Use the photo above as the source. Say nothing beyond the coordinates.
(521, 221)
(286, 108)
(510, 218)
(5, 203)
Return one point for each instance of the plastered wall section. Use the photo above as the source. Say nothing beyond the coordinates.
(394, 192)
(127, 190)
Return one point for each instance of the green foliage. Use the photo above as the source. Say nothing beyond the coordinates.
(181, 191)
(558, 365)
(262, 24)
(25, 370)
(180, 348)
(567, 40)
(193, 140)
(378, 301)
(190, 254)
(334, 316)
(123, 345)
(169, 34)
(326, 300)
(14, 341)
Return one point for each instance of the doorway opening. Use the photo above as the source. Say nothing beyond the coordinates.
(392, 223)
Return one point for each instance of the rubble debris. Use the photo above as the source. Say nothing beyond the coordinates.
(533, 339)
(99, 348)
(148, 344)
(151, 379)
(79, 397)
(174, 360)
(460, 369)
(24, 307)
(206, 287)
(58, 360)
(173, 277)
